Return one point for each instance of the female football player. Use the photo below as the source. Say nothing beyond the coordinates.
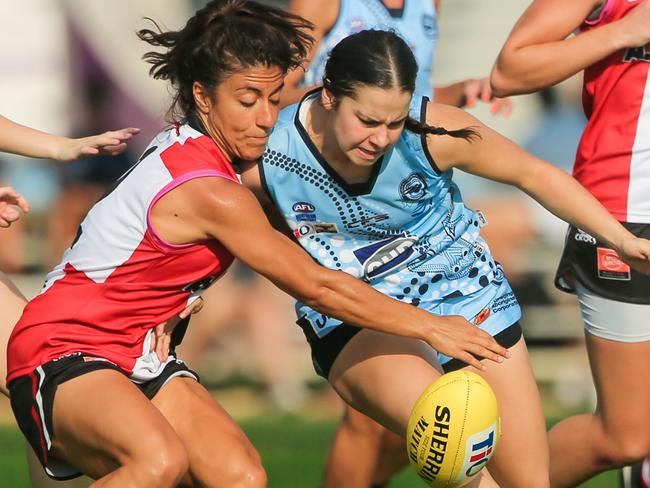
(613, 163)
(362, 174)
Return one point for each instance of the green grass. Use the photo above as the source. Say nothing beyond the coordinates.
(293, 450)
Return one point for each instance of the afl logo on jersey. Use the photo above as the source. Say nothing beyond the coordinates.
(382, 257)
(303, 207)
(413, 188)
(429, 26)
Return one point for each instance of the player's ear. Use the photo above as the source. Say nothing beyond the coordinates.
(201, 97)
(327, 99)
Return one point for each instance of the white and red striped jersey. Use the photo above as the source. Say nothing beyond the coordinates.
(119, 279)
(613, 158)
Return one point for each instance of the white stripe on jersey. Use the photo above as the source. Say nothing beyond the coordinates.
(638, 200)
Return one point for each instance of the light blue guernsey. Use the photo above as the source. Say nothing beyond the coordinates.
(417, 25)
(406, 232)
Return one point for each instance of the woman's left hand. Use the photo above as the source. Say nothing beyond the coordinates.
(9, 200)
(476, 90)
(162, 333)
(110, 143)
(635, 251)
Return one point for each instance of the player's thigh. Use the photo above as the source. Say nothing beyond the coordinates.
(217, 447)
(382, 375)
(522, 421)
(13, 303)
(621, 374)
(101, 421)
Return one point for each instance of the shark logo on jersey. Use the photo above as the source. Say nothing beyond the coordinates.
(429, 26)
(382, 257)
(413, 188)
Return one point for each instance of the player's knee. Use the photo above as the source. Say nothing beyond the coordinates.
(359, 424)
(166, 465)
(626, 449)
(244, 470)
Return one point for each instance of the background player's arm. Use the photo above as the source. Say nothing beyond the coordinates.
(19, 139)
(537, 54)
(218, 208)
(323, 14)
(493, 156)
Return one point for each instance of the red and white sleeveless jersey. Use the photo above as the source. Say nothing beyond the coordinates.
(119, 279)
(613, 158)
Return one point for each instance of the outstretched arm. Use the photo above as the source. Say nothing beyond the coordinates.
(221, 209)
(493, 156)
(537, 54)
(19, 139)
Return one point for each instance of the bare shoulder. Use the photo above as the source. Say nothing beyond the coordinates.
(447, 151)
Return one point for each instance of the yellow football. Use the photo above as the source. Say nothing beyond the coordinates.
(453, 429)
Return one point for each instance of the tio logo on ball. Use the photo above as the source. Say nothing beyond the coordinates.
(479, 449)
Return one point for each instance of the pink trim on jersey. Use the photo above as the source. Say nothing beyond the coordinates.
(169, 187)
(604, 13)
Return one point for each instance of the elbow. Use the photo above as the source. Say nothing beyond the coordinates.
(501, 84)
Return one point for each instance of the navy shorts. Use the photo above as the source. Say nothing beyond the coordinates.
(325, 350)
(32, 399)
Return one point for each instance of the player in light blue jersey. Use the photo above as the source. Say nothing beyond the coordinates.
(416, 21)
(362, 174)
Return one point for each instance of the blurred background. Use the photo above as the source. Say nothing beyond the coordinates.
(74, 67)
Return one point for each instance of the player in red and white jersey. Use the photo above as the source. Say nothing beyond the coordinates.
(25, 141)
(612, 46)
(117, 260)
(86, 390)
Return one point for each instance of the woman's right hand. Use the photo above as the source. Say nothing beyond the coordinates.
(9, 200)
(634, 28)
(454, 336)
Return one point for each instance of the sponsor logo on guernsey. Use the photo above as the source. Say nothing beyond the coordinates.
(305, 217)
(413, 188)
(482, 316)
(478, 449)
(93, 359)
(504, 302)
(610, 266)
(200, 284)
(306, 229)
(636, 54)
(582, 236)
(381, 257)
(303, 207)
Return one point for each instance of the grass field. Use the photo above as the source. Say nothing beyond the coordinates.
(293, 450)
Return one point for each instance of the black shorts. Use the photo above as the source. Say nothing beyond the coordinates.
(325, 350)
(32, 399)
(597, 267)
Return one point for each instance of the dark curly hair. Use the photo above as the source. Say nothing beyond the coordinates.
(222, 38)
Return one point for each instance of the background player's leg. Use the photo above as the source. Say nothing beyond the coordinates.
(618, 433)
(383, 375)
(363, 453)
(522, 422)
(107, 428)
(220, 454)
(354, 452)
